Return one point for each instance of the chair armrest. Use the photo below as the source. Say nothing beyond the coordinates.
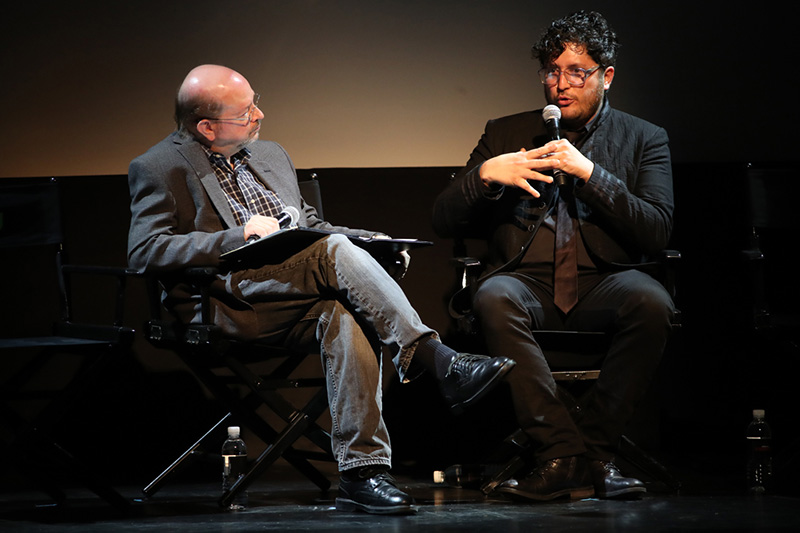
(101, 270)
(202, 275)
(119, 335)
(669, 255)
(468, 270)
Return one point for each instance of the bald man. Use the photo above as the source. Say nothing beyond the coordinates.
(209, 187)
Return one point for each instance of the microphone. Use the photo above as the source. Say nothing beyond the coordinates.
(288, 217)
(552, 116)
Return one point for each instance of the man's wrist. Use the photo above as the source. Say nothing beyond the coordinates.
(488, 184)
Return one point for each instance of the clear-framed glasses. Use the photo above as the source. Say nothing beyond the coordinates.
(576, 77)
(248, 115)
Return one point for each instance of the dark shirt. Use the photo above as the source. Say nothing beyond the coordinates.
(540, 256)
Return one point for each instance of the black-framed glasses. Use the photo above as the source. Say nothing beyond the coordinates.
(248, 115)
(576, 77)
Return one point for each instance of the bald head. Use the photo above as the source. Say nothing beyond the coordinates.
(211, 83)
(204, 93)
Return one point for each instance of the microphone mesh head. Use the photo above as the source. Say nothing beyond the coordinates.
(551, 112)
(294, 215)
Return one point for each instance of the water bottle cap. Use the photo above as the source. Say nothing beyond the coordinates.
(233, 431)
(758, 413)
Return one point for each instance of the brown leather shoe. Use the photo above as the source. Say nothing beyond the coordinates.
(565, 476)
(609, 483)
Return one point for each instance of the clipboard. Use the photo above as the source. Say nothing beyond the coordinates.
(278, 246)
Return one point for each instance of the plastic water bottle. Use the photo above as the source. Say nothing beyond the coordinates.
(759, 460)
(462, 476)
(234, 464)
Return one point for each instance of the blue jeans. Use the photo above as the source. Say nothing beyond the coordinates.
(334, 299)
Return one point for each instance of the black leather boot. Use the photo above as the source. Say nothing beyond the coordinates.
(609, 483)
(374, 491)
(471, 377)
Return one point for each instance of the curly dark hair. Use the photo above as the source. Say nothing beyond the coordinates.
(589, 29)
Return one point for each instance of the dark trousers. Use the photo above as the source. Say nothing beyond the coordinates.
(510, 307)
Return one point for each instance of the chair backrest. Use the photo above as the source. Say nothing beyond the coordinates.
(30, 243)
(30, 213)
(308, 181)
(772, 193)
(773, 223)
(34, 269)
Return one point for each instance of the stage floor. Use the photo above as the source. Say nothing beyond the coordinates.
(284, 502)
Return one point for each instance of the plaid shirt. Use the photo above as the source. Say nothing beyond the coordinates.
(246, 195)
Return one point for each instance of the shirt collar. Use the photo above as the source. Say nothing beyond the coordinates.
(239, 158)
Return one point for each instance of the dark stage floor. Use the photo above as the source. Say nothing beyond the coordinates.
(284, 502)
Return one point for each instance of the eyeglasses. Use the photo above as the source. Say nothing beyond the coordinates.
(248, 115)
(576, 77)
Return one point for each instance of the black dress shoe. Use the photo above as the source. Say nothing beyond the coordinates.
(609, 483)
(373, 492)
(565, 476)
(470, 377)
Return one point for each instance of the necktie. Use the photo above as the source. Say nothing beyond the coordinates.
(566, 258)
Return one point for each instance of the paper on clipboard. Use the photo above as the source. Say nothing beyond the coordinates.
(283, 243)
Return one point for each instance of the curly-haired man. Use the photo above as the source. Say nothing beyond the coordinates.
(568, 257)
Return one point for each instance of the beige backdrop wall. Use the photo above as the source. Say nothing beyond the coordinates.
(86, 87)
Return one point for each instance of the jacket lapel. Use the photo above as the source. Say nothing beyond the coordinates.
(262, 170)
(197, 159)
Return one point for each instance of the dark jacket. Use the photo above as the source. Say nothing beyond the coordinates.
(624, 210)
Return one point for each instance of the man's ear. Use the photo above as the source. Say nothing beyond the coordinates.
(608, 77)
(206, 129)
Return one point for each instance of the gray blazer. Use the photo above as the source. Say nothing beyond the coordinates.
(181, 218)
